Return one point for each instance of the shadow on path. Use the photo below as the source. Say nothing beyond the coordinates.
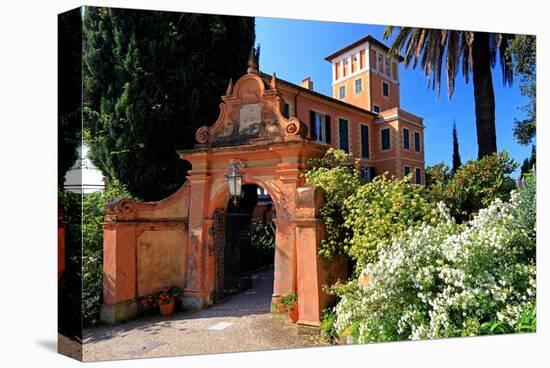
(253, 301)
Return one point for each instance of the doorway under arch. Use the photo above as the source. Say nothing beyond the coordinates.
(245, 241)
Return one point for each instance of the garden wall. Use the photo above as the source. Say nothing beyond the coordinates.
(145, 248)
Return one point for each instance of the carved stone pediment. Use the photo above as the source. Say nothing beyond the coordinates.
(250, 112)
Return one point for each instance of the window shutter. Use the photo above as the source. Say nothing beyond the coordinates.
(312, 125)
(364, 141)
(327, 129)
(343, 132)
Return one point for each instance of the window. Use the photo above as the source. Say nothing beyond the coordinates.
(364, 141)
(367, 172)
(320, 127)
(346, 63)
(387, 66)
(418, 175)
(380, 63)
(286, 110)
(416, 142)
(406, 144)
(358, 85)
(385, 136)
(376, 108)
(406, 170)
(385, 89)
(343, 130)
(342, 92)
(354, 63)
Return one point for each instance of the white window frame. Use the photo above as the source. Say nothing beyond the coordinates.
(381, 140)
(386, 83)
(346, 70)
(320, 126)
(419, 141)
(340, 89)
(355, 60)
(355, 86)
(403, 138)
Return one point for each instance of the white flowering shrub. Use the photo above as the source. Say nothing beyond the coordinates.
(448, 279)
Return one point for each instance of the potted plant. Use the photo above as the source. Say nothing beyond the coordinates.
(148, 302)
(166, 299)
(290, 304)
(278, 305)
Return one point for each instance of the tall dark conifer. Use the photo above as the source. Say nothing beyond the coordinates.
(151, 78)
(456, 152)
(530, 162)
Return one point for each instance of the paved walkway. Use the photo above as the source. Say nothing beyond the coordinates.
(242, 323)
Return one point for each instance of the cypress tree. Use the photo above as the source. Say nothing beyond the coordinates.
(529, 162)
(456, 153)
(151, 78)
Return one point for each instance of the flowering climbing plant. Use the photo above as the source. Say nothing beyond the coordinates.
(445, 279)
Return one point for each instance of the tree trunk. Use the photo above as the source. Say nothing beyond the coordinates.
(484, 95)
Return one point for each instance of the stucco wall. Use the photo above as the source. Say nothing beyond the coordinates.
(161, 259)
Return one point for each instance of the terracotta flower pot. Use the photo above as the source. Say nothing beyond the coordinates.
(279, 306)
(293, 314)
(167, 309)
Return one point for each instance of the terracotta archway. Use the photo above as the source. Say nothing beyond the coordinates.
(284, 266)
(251, 127)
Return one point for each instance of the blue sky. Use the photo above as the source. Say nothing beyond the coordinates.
(297, 48)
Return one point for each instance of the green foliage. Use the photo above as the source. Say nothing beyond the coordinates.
(456, 152)
(328, 318)
(151, 78)
(446, 279)
(530, 162)
(360, 217)
(263, 237)
(435, 50)
(524, 51)
(339, 180)
(92, 252)
(70, 290)
(473, 186)
(381, 210)
(525, 323)
(69, 86)
(288, 302)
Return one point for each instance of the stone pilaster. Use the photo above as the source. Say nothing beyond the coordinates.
(196, 293)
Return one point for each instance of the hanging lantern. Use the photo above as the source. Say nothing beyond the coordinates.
(234, 180)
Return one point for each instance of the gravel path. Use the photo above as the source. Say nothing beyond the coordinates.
(242, 323)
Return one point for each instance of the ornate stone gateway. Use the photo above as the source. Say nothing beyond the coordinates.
(182, 234)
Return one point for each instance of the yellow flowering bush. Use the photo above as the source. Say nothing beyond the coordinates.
(380, 210)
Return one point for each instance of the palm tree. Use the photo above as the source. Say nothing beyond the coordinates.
(471, 52)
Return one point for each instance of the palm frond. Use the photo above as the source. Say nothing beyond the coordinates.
(436, 49)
